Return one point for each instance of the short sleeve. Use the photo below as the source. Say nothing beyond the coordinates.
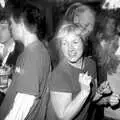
(32, 70)
(60, 82)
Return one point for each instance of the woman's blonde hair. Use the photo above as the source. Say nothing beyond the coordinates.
(66, 28)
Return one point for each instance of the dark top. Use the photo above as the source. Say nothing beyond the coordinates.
(64, 78)
(33, 66)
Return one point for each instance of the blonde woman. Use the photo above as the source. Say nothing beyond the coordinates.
(73, 81)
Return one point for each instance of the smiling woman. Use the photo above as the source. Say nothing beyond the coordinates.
(72, 84)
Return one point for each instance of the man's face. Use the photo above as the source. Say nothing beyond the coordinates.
(86, 20)
(4, 32)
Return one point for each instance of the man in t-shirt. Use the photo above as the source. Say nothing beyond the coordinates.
(32, 68)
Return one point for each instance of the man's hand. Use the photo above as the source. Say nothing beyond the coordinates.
(114, 99)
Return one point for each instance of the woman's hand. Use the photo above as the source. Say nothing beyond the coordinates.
(114, 99)
(85, 80)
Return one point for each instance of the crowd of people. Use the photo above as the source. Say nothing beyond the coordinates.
(73, 76)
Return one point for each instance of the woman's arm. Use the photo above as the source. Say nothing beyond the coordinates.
(21, 107)
(64, 106)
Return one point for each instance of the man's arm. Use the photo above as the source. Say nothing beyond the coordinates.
(21, 106)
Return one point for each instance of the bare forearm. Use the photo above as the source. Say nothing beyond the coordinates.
(72, 109)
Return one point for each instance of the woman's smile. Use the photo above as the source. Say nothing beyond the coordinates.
(72, 53)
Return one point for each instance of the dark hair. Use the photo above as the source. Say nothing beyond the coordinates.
(32, 17)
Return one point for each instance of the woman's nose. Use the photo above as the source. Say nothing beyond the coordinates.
(71, 46)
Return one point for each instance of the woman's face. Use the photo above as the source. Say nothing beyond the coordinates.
(72, 47)
(15, 29)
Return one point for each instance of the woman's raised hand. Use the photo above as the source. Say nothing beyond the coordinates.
(85, 80)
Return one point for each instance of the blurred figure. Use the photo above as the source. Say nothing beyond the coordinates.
(6, 42)
(81, 15)
(107, 51)
(6, 39)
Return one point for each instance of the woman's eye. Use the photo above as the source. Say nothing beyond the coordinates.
(75, 42)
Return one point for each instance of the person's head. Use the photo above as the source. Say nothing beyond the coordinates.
(4, 27)
(4, 31)
(24, 19)
(107, 26)
(71, 41)
(82, 15)
(110, 26)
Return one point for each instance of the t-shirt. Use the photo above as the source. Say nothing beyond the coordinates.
(64, 78)
(32, 67)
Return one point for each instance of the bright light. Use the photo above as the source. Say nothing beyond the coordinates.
(2, 2)
(111, 4)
